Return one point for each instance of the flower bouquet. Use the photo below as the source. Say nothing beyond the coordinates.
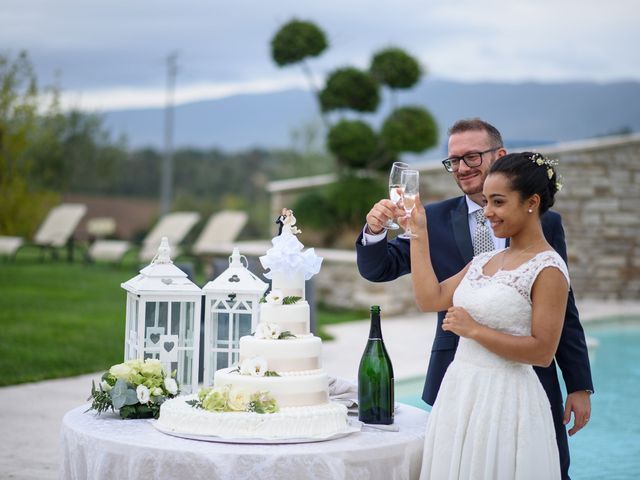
(135, 388)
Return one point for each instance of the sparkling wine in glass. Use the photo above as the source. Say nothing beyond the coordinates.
(395, 189)
(411, 181)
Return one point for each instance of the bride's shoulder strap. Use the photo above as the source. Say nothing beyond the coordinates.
(548, 259)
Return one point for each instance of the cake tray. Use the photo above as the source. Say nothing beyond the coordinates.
(354, 426)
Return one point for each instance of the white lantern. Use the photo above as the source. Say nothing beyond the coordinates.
(163, 318)
(231, 311)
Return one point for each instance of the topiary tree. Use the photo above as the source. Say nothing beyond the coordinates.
(353, 142)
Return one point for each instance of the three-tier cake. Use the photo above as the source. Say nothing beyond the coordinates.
(278, 390)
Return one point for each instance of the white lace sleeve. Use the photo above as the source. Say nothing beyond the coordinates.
(548, 259)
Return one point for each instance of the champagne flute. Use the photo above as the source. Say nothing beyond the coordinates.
(395, 189)
(411, 181)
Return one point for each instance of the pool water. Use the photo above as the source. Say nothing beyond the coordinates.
(609, 447)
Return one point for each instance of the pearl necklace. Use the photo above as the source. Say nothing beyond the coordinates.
(504, 255)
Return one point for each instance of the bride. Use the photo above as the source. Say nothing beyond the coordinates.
(492, 419)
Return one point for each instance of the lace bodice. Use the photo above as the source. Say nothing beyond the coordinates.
(501, 301)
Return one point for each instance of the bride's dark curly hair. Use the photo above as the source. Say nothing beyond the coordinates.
(530, 173)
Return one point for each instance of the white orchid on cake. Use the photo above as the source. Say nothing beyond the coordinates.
(227, 399)
(272, 331)
(135, 388)
(256, 367)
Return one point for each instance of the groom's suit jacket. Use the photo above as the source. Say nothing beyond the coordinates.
(451, 250)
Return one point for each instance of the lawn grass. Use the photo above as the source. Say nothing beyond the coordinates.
(60, 319)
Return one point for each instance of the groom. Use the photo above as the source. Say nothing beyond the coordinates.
(457, 232)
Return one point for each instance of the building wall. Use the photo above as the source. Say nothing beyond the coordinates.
(600, 206)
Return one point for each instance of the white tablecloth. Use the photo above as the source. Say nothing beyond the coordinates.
(106, 447)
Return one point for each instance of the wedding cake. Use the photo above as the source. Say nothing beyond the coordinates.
(278, 390)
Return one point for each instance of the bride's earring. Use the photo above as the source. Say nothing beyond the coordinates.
(530, 211)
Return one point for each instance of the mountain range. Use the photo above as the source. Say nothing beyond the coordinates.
(526, 113)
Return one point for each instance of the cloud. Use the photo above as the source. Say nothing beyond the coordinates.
(117, 49)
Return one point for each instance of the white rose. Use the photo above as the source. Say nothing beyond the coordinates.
(171, 385)
(143, 394)
(255, 366)
(122, 370)
(274, 297)
(238, 400)
(105, 386)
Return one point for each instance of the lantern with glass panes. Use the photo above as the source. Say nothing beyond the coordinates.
(163, 318)
(231, 311)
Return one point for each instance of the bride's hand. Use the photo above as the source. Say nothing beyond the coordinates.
(417, 221)
(458, 321)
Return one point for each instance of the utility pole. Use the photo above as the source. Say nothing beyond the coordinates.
(166, 187)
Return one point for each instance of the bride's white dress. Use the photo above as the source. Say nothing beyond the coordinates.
(492, 419)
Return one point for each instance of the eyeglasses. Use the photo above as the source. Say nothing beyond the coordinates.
(471, 159)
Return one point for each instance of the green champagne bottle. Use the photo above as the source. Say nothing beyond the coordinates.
(375, 378)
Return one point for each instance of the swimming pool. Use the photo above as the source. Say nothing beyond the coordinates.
(609, 448)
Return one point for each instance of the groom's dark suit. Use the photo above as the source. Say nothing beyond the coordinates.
(451, 250)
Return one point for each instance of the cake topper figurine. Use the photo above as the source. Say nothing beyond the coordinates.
(286, 222)
(280, 220)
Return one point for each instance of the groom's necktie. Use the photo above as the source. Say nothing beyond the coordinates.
(482, 239)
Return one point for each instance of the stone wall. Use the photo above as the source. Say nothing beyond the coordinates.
(600, 206)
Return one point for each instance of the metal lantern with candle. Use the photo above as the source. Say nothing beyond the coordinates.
(231, 311)
(163, 318)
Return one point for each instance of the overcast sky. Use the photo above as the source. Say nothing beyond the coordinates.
(111, 54)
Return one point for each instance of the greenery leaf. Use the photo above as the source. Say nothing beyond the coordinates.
(291, 300)
(286, 334)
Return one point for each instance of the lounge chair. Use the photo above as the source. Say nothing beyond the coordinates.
(222, 228)
(175, 226)
(55, 232)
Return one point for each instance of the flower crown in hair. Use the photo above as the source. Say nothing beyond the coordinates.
(540, 160)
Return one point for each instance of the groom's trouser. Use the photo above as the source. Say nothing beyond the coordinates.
(549, 379)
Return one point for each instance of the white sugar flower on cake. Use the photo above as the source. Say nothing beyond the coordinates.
(268, 330)
(255, 366)
(274, 297)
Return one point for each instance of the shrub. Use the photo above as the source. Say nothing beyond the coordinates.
(297, 40)
(350, 88)
(395, 68)
(409, 129)
(353, 142)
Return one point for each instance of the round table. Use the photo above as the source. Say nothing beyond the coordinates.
(106, 447)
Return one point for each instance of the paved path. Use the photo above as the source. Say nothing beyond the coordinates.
(30, 414)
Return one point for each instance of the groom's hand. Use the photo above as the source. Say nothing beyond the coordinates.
(381, 212)
(580, 404)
